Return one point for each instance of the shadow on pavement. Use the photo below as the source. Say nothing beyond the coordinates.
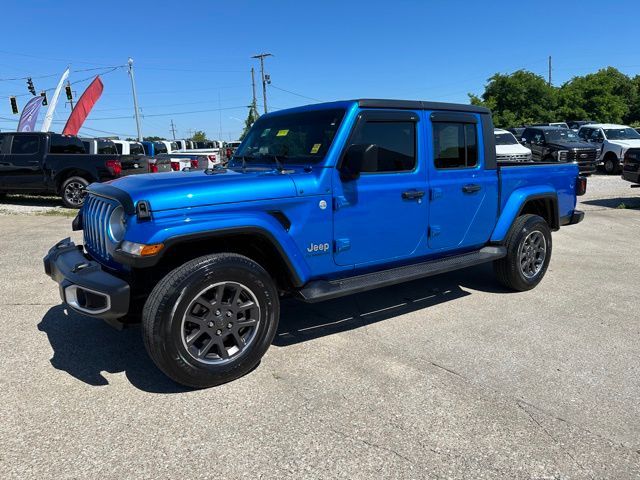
(622, 202)
(300, 322)
(31, 201)
(85, 347)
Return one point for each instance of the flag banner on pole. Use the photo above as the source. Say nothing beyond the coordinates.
(48, 118)
(83, 107)
(29, 115)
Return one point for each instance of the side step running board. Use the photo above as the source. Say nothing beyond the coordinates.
(324, 290)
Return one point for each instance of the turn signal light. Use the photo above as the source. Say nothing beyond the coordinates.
(140, 249)
(151, 249)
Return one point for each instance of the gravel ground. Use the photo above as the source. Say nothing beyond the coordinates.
(449, 377)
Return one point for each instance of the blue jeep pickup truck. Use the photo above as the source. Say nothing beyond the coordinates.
(318, 202)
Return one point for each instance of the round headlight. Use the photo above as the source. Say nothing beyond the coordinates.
(117, 224)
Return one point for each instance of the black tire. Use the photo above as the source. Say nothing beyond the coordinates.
(509, 269)
(611, 165)
(177, 298)
(73, 191)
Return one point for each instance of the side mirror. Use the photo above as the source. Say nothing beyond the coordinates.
(358, 158)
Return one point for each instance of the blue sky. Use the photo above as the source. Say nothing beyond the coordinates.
(195, 55)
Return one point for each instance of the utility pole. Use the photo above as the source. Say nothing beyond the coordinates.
(173, 129)
(261, 56)
(549, 70)
(70, 99)
(135, 98)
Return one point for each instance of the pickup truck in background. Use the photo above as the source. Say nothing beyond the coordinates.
(319, 202)
(508, 149)
(56, 164)
(152, 149)
(612, 141)
(131, 164)
(555, 144)
(127, 147)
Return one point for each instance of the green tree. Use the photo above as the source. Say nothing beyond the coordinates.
(199, 136)
(251, 119)
(153, 139)
(518, 98)
(605, 96)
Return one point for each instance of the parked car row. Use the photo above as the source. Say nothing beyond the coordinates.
(50, 163)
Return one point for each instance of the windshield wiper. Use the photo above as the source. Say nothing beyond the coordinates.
(243, 158)
(276, 159)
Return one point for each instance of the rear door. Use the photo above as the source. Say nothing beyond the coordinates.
(463, 193)
(22, 164)
(382, 215)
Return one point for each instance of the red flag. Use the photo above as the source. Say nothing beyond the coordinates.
(83, 107)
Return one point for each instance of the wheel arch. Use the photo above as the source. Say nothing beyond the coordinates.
(256, 243)
(542, 203)
(63, 175)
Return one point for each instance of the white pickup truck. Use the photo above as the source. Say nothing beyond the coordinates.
(614, 140)
(508, 149)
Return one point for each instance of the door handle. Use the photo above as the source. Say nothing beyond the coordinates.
(471, 188)
(412, 194)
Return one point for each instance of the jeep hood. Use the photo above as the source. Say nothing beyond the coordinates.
(175, 190)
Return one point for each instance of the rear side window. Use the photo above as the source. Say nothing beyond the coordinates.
(67, 145)
(455, 145)
(119, 148)
(136, 149)
(396, 143)
(25, 144)
(160, 148)
(106, 148)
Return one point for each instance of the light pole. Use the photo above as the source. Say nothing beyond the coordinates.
(135, 98)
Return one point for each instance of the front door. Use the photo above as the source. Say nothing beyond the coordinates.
(463, 194)
(382, 215)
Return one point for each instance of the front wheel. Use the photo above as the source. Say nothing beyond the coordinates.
(528, 254)
(211, 320)
(611, 165)
(74, 190)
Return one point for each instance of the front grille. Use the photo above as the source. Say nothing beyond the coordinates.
(95, 222)
(521, 157)
(583, 155)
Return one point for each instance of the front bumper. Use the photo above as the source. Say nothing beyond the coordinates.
(84, 285)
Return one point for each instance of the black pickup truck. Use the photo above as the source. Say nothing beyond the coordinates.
(43, 163)
(555, 144)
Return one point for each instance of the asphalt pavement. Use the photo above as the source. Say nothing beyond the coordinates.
(448, 377)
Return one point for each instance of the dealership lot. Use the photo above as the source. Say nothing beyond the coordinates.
(449, 377)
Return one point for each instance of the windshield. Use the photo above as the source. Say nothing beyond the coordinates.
(505, 139)
(561, 135)
(294, 138)
(621, 133)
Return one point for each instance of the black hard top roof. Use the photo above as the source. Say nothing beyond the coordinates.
(548, 127)
(419, 105)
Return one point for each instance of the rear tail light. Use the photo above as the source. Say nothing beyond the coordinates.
(153, 168)
(194, 163)
(581, 186)
(211, 158)
(175, 166)
(114, 166)
(229, 153)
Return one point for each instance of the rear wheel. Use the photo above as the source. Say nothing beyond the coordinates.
(528, 254)
(211, 320)
(73, 191)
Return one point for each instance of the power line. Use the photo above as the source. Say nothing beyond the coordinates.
(296, 94)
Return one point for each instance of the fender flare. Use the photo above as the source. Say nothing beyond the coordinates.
(516, 202)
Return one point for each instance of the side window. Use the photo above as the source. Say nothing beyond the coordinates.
(596, 134)
(25, 144)
(119, 148)
(538, 137)
(66, 145)
(396, 143)
(455, 145)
